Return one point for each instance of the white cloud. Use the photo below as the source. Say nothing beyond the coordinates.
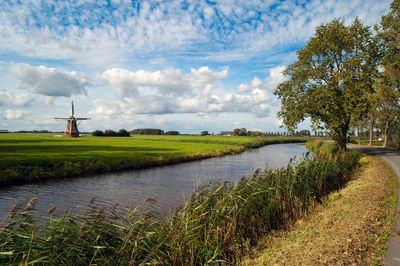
(201, 105)
(276, 77)
(92, 33)
(169, 81)
(49, 81)
(255, 83)
(169, 91)
(14, 114)
(8, 98)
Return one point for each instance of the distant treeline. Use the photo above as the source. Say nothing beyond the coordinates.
(139, 131)
(153, 131)
(111, 133)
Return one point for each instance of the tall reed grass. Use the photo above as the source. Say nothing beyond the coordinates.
(217, 225)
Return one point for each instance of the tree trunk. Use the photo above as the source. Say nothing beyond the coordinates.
(342, 138)
(385, 142)
(352, 132)
(359, 134)
(371, 129)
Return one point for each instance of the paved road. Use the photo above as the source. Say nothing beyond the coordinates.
(393, 158)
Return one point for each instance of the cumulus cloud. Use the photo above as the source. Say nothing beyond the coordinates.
(166, 82)
(179, 105)
(14, 114)
(255, 83)
(172, 92)
(276, 77)
(8, 98)
(49, 81)
(108, 33)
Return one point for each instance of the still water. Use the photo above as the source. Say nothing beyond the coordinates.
(168, 185)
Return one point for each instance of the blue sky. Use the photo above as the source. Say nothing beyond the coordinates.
(175, 65)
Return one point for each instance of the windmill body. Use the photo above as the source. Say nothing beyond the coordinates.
(72, 124)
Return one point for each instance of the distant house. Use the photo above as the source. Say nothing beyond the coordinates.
(225, 133)
(3, 131)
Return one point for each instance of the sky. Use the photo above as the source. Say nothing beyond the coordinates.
(175, 65)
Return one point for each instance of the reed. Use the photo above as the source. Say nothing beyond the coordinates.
(217, 225)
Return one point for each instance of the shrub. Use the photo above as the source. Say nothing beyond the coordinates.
(172, 132)
(147, 131)
(97, 133)
(123, 133)
(110, 133)
(204, 133)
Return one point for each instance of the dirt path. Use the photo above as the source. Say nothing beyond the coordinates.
(393, 158)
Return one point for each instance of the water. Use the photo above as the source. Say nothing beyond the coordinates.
(168, 185)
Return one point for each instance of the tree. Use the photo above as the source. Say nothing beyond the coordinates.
(123, 133)
(204, 133)
(390, 36)
(330, 79)
(388, 109)
(98, 133)
(147, 131)
(172, 132)
(240, 132)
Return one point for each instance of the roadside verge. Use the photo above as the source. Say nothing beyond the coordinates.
(353, 225)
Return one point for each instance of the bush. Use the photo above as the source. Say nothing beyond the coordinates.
(111, 133)
(172, 132)
(98, 133)
(204, 133)
(147, 131)
(123, 133)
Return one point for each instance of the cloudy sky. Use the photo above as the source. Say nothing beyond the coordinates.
(175, 65)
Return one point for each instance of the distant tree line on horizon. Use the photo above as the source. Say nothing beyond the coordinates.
(111, 133)
(235, 132)
(153, 131)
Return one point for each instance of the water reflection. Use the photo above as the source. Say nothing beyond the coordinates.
(169, 185)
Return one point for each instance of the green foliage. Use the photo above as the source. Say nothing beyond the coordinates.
(172, 132)
(147, 131)
(216, 226)
(390, 25)
(123, 133)
(204, 133)
(331, 78)
(240, 132)
(111, 133)
(97, 133)
(254, 133)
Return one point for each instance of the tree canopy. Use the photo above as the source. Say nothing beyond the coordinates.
(331, 79)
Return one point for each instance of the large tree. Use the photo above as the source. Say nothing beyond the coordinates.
(331, 79)
(388, 111)
(390, 90)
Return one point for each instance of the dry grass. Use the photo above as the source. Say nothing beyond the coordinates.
(352, 226)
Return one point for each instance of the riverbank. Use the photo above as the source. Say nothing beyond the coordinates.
(352, 226)
(219, 224)
(33, 157)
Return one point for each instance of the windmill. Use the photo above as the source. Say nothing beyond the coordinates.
(72, 124)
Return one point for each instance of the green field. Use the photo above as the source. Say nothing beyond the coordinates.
(30, 157)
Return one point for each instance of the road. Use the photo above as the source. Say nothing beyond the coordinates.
(393, 158)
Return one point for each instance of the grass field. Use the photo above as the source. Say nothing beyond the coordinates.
(30, 157)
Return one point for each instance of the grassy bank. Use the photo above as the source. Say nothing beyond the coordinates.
(31, 157)
(352, 226)
(219, 223)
